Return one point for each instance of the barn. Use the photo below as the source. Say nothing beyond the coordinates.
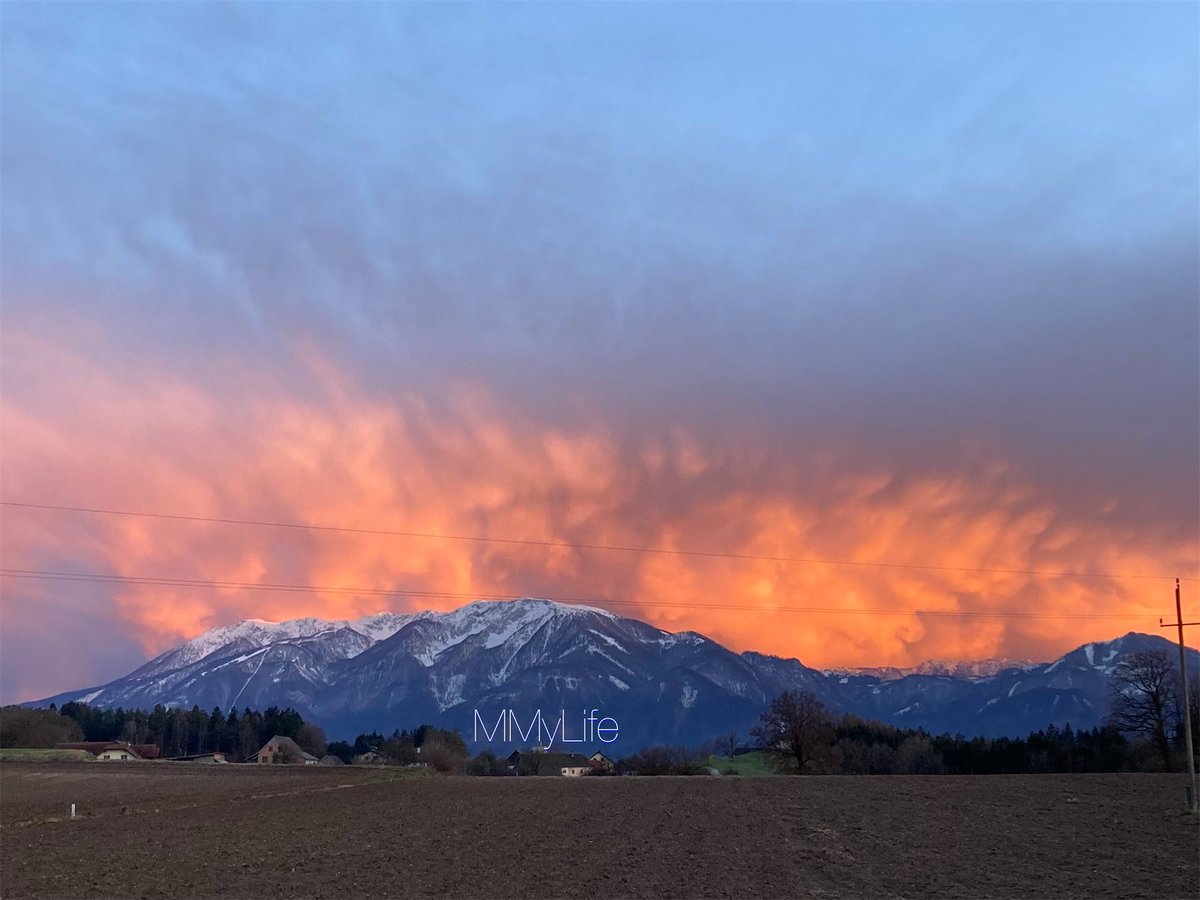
(284, 750)
(204, 758)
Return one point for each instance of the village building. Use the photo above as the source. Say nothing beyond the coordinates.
(284, 751)
(209, 758)
(538, 762)
(112, 750)
(601, 763)
(117, 752)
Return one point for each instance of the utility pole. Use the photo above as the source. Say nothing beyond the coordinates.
(1193, 789)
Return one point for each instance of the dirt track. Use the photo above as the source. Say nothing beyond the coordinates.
(172, 830)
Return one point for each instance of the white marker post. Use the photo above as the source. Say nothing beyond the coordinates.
(72, 810)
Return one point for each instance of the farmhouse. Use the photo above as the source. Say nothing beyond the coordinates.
(117, 752)
(575, 767)
(601, 763)
(112, 750)
(538, 762)
(284, 750)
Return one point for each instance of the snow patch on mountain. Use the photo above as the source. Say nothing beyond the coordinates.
(503, 631)
(612, 642)
(239, 659)
(671, 639)
(381, 626)
(449, 691)
(593, 650)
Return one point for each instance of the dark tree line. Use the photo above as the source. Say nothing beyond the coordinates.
(1144, 732)
(439, 748)
(876, 748)
(180, 732)
(855, 746)
(37, 728)
(176, 732)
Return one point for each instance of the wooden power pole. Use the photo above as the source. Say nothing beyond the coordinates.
(1193, 788)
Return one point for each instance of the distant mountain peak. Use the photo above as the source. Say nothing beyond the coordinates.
(981, 668)
(391, 669)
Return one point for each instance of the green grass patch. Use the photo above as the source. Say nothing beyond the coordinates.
(749, 764)
(23, 754)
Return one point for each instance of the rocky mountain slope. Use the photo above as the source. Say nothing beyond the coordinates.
(398, 670)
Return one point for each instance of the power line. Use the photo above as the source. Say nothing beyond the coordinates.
(101, 578)
(570, 545)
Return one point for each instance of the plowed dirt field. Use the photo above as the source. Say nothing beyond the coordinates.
(179, 830)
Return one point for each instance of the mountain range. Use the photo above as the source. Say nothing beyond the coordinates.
(402, 669)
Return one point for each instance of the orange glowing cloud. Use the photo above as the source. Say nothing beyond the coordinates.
(468, 463)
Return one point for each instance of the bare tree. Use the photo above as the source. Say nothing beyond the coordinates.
(1145, 698)
(726, 744)
(311, 738)
(795, 729)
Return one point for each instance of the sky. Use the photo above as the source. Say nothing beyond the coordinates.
(904, 284)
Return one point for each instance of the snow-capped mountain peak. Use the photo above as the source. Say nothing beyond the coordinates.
(390, 670)
(251, 632)
(500, 619)
(980, 668)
